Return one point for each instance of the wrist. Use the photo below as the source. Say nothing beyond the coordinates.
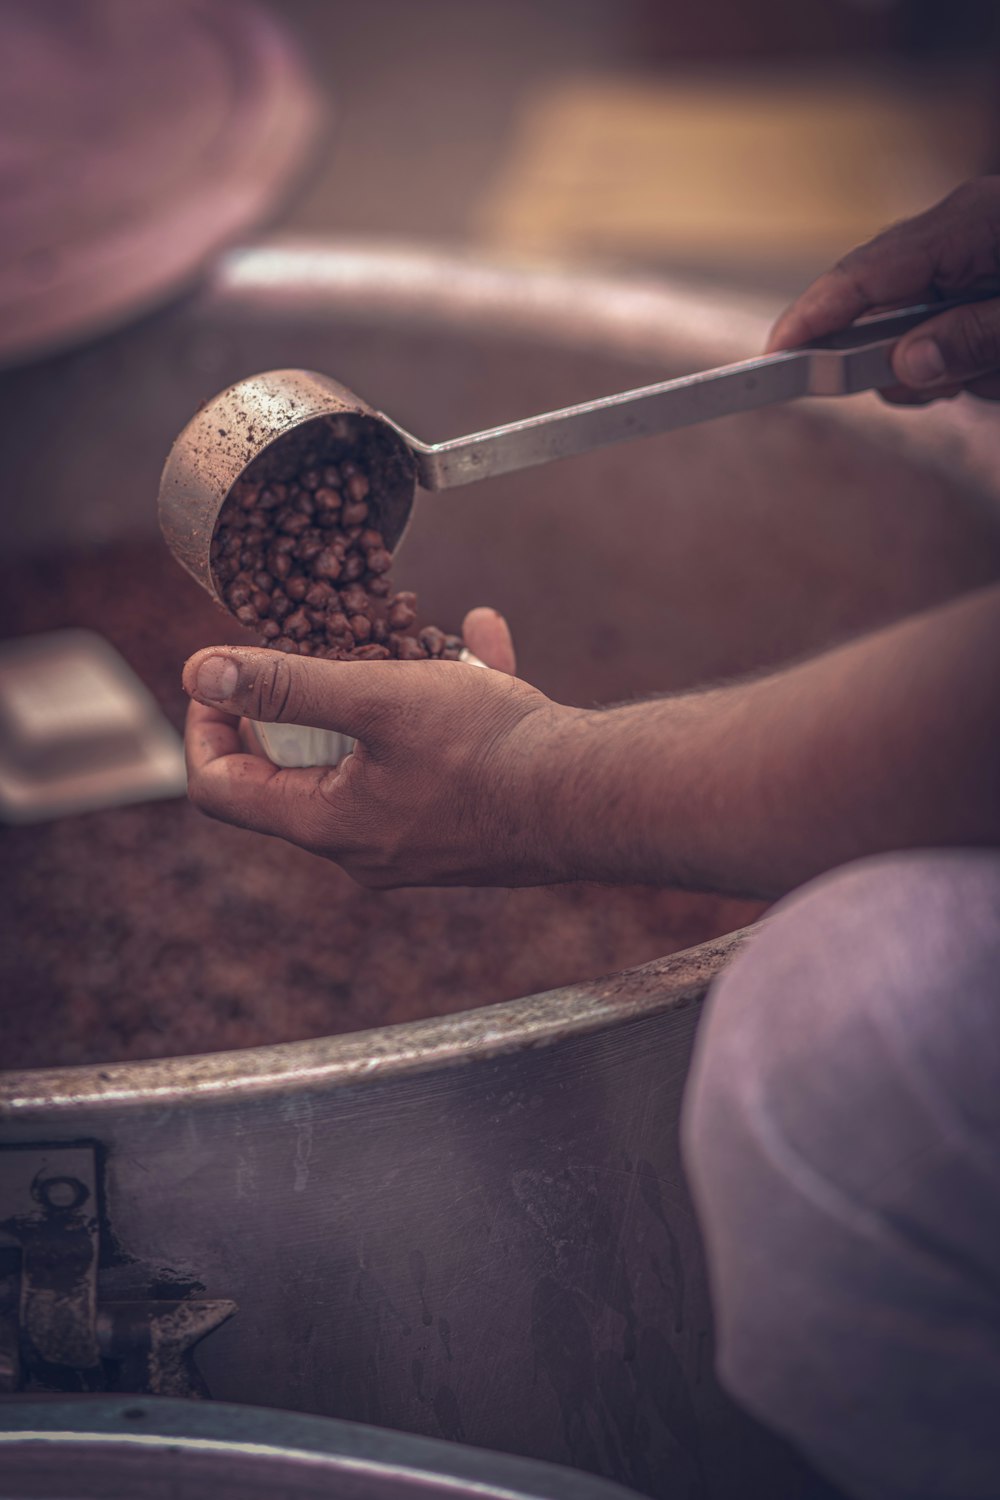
(541, 786)
(589, 802)
(637, 794)
(577, 800)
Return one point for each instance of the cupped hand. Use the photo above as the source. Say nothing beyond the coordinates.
(951, 250)
(448, 782)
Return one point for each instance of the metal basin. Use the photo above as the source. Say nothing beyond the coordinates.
(477, 1228)
(114, 1449)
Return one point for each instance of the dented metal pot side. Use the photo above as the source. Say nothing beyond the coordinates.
(501, 1253)
(488, 1240)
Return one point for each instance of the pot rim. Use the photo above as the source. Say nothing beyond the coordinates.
(292, 1444)
(367, 1057)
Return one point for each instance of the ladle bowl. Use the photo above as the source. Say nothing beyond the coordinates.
(273, 416)
(280, 418)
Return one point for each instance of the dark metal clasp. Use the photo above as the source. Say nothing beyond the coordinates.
(54, 1332)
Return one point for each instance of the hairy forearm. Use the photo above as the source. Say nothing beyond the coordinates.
(889, 742)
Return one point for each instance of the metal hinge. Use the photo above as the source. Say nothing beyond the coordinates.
(55, 1332)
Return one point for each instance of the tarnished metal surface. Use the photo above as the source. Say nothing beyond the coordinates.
(48, 1207)
(151, 1342)
(114, 1450)
(27, 1099)
(249, 419)
(475, 1229)
(54, 1334)
(10, 1331)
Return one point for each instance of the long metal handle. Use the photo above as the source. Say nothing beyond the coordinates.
(857, 359)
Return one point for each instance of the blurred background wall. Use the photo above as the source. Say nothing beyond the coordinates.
(745, 140)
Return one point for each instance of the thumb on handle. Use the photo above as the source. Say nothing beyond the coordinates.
(953, 349)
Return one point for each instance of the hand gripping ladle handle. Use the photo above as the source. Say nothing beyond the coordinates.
(857, 359)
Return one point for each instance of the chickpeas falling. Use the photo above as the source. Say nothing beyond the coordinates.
(296, 561)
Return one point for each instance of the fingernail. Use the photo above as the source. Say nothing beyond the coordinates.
(921, 363)
(217, 678)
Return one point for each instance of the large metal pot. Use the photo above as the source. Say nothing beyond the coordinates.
(476, 1227)
(118, 1449)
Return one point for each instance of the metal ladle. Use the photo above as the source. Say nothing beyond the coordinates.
(278, 411)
